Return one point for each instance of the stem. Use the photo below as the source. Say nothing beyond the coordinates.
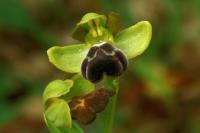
(105, 120)
(110, 111)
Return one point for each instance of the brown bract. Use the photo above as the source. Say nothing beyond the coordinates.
(84, 108)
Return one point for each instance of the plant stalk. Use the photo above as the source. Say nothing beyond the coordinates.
(105, 120)
(109, 121)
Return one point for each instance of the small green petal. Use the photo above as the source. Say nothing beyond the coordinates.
(58, 113)
(68, 58)
(56, 89)
(81, 86)
(135, 39)
(113, 22)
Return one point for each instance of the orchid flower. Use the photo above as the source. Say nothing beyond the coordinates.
(103, 50)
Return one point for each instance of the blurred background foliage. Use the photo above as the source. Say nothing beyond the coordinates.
(160, 91)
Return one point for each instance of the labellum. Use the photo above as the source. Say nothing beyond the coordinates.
(84, 108)
(102, 59)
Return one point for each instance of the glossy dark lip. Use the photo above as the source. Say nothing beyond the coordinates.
(102, 59)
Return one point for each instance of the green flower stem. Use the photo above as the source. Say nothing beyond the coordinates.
(105, 120)
(113, 83)
(107, 117)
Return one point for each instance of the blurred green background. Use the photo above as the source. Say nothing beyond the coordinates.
(160, 91)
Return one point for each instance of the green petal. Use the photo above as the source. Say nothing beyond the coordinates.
(68, 58)
(58, 113)
(81, 86)
(135, 39)
(56, 88)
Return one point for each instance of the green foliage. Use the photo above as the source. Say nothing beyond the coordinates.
(14, 16)
(10, 81)
(155, 81)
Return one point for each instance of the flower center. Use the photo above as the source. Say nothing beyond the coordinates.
(97, 33)
(95, 29)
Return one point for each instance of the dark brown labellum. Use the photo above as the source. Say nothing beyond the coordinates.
(84, 108)
(103, 58)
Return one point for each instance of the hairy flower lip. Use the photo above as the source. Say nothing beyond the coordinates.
(101, 59)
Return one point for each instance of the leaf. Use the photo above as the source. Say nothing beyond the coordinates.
(75, 128)
(68, 58)
(81, 86)
(58, 113)
(14, 16)
(56, 88)
(135, 39)
(155, 80)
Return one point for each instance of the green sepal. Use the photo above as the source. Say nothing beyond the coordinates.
(81, 86)
(82, 27)
(134, 40)
(68, 58)
(56, 89)
(58, 113)
(92, 16)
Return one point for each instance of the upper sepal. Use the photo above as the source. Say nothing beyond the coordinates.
(82, 27)
(134, 40)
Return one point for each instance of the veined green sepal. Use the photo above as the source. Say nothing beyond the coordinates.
(134, 40)
(68, 58)
(82, 28)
